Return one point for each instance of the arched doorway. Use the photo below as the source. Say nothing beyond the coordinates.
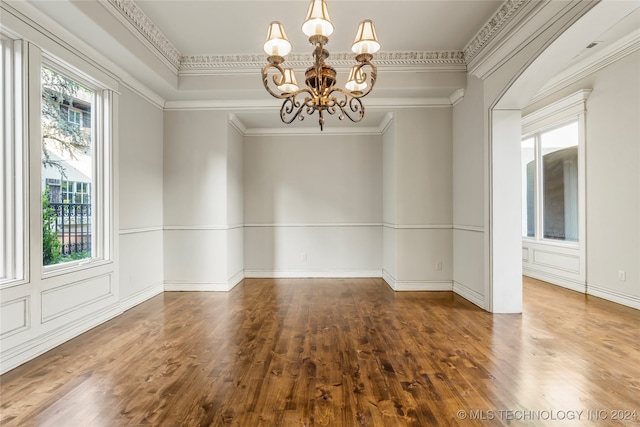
(515, 71)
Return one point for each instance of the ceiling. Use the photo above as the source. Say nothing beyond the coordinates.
(210, 51)
(240, 26)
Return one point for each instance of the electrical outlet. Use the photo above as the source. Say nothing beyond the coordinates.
(622, 275)
(438, 265)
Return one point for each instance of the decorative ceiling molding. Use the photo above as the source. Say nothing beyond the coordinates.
(262, 104)
(204, 64)
(495, 24)
(148, 29)
(456, 96)
(198, 64)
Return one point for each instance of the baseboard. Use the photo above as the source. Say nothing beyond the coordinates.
(469, 294)
(389, 279)
(302, 274)
(423, 285)
(416, 285)
(141, 296)
(233, 281)
(556, 280)
(196, 286)
(632, 301)
(33, 348)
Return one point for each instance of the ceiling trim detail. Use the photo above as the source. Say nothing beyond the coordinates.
(203, 64)
(141, 25)
(148, 29)
(491, 28)
(261, 104)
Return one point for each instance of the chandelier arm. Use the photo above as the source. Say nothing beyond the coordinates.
(278, 79)
(320, 93)
(372, 75)
(350, 106)
(292, 108)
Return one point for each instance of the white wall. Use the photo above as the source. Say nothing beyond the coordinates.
(612, 178)
(140, 191)
(613, 182)
(418, 238)
(200, 222)
(389, 205)
(313, 205)
(235, 206)
(468, 194)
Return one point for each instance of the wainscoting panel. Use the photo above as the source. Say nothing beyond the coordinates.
(468, 268)
(195, 256)
(74, 296)
(141, 265)
(313, 250)
(559, 261)
(562, 265)
(424, 258)
(14, 316)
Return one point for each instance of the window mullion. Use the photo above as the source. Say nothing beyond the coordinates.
(539, 188)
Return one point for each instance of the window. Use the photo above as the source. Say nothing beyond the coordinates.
(70, 192)
(75, 117)
(13, 247)
(72, 229)
(550, 184)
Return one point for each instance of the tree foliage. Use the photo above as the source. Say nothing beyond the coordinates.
(51, 246)
(58, 133)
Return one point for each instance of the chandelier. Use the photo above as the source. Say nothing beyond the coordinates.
(321, 94)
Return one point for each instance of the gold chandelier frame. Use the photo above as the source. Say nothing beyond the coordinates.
(321, 93)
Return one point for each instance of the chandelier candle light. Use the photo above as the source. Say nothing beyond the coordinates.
(321, 94)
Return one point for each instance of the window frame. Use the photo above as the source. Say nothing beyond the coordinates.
(76, 113)
(539, 181)
(14, 206)
(569, 109)
(101, 186)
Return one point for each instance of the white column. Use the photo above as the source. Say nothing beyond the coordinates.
(504, 236)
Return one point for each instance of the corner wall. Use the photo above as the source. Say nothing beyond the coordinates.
(468, 194)
(202, 210)
(140, 192)
(417, 169)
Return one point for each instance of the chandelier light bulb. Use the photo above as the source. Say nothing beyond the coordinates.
(320, 94)
(277, 43)
(366, 40)
(356, 81)
(317, 22)
(290, 84)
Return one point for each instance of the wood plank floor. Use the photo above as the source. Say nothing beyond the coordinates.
(339, 352)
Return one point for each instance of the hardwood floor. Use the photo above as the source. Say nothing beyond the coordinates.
(339, 352)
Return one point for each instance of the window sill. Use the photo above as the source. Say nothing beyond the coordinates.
(73, 266)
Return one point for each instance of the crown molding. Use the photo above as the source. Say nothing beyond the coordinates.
(128, 12)
(386, 122)
(146, 30)
(237, 124)
(563, 109)
(456, 96)
(491, 28)
(225, 64)
(143, 91)
(308, 131)
(262, 104)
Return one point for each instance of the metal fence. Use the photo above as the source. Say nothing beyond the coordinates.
(73, 226)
